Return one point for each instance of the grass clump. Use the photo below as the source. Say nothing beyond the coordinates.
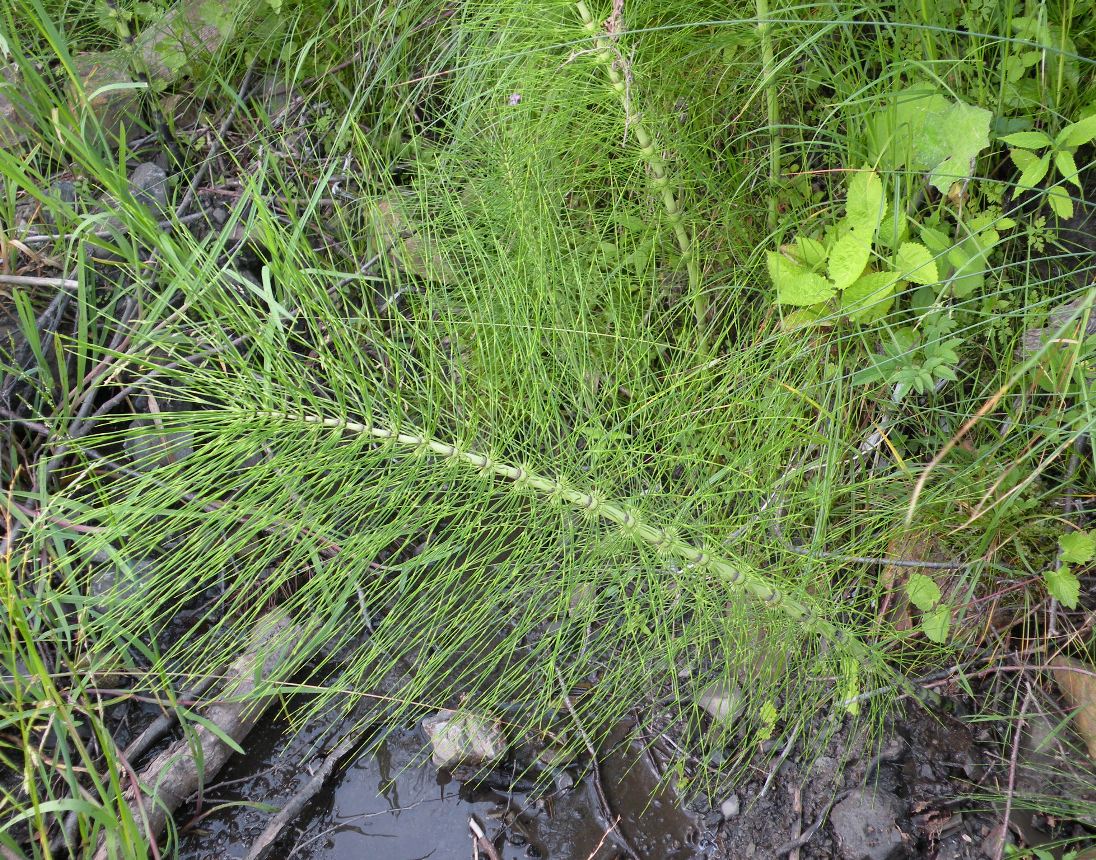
(449, 384)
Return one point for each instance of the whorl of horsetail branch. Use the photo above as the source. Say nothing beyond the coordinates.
(605, 54)
(665, 540)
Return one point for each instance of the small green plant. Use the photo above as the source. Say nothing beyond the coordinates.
(858, 265)
(924, 131)
(914, 360)
(1038, 155)
(924, 593)
(1076, 548)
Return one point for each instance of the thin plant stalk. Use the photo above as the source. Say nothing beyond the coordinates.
(764, 31)
(607, 55)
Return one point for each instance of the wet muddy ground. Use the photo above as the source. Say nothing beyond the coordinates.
(909, 797)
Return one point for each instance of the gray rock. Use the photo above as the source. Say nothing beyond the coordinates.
(865, 825)
(108, 90)
(463, 738)
(148, 183)
(729, 808)
(723, 701)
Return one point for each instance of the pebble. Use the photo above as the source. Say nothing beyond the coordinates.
(865, 825)
(463, 738)
(729, 808)
(148, 183)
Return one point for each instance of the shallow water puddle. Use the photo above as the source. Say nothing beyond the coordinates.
(389, 804)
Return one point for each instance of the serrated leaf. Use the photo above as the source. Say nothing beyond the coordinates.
(936, 623)
(1067, 167)
(1077, 547)
(810, 252)
(796, 285)
(869, 297)
(922, 591)
(914, 262)
(865, 202)
(1079, 133)
(937, 241)
(1064, 586)
(1032, 167)
(1028, 139)
(1059, 201)
(849, 257)
(893, 230)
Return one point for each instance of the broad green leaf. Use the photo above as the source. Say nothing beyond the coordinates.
(914, 262)
(1028, 139)
(937, 241)
(951, 141)
(866, 201)
(970, 270)
(896, 128)
(849, 257)
(796, 285)
(1067, 167)
(1063, 585)
(894, 229)
(922, 591)
(810, 252)
(1077, 547)
(1032, 167)
(935, 624)
(1079, 133)
(1059, 201)
(869, 297)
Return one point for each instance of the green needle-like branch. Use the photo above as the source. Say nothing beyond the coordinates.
(665, 540)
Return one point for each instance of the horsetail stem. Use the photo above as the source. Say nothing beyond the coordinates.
(665, 540)
(764, 32)
(605, 53)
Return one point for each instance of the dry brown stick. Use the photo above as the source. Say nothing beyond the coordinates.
(595, 773)
(480, 841)
(999, 850)
(285, 816)
(182, 769)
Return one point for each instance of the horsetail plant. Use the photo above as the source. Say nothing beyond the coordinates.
(663, 539)
(608, 55)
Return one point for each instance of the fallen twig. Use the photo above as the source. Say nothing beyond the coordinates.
(182, 769)
(276, 826)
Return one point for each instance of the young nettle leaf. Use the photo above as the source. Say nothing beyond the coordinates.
(1077, 547)
(1067, 167)
(849, 257)
(1028, 139)
(1033, 168)
(1064, 586)
(915, 262)
(795, 284)
(1059, 201)
(1077, 134)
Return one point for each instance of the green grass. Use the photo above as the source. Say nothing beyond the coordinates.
(578, 251)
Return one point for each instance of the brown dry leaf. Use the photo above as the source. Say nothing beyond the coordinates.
(413, 253)
(1078, 685)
